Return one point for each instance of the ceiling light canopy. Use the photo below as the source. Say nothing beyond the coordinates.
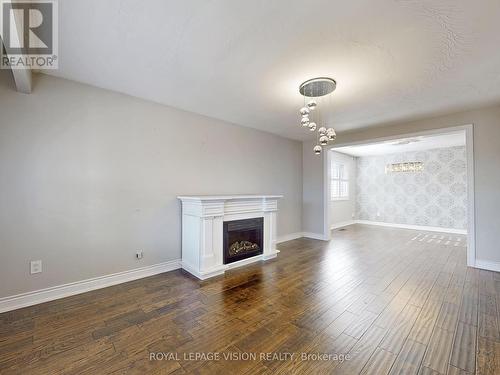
(317, 87)
(316, 92)
(405, 142)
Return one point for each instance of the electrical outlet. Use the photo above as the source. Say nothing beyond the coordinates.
(35, 266)
(139, 254)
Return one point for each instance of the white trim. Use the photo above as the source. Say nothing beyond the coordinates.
(271, 255)
(342, 224)
(317, 236)
(294, 236)
(244, 262)
(202, 276)
(204, 198)
(289, 237)
(412, 227)
(471, 208)
(488, 265)
(66, 290)
(449, 129)
(219, 270)
(469, 137)
(327, 233)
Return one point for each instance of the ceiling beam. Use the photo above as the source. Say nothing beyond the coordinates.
(22, 76)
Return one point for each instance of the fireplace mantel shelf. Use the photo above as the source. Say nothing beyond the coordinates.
(225, 197)
(202, 229)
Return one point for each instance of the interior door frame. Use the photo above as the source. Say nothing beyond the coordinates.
(469, 146)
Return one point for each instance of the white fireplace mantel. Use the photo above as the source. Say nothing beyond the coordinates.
(202, 229)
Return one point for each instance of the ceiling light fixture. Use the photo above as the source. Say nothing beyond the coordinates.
(415, 166)
(404, 142)
(316, 92)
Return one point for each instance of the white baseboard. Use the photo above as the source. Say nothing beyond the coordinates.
(294, 236)
(66, 290)
(289, 237)
(270, 255)
(488, 265)
(217, 271)
(342, 224)
(414, 227)
(315, 236)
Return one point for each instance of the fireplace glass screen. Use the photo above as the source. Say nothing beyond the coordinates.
(243, 239)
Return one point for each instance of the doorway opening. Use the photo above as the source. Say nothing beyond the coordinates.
(421, 181)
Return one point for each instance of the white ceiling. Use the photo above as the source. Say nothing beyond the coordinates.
(394, 146)
(242, 61)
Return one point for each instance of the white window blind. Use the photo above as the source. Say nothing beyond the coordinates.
(339, 183)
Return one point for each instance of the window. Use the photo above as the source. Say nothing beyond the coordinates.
(339, 183)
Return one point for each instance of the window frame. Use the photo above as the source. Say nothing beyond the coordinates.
(343, 178)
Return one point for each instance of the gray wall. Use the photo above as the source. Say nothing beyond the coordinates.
(312, 202)
(88, 176)
(435, 197)
(487, 169)
(342, 211)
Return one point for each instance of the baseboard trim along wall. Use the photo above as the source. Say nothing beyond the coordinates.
(342, 224)
(414, 227)
(289, 237)
(294, 236)
(49, 294)
(488, 265)
(316, 236)
(66, 290)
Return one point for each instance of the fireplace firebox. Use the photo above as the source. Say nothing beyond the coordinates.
(243, 239)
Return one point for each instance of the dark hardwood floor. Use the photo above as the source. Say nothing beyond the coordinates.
(389, 301)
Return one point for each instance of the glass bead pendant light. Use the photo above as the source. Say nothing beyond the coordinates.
(312, 105)
(314, 92)
(323, 140)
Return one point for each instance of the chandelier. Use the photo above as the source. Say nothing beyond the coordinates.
(316, 92)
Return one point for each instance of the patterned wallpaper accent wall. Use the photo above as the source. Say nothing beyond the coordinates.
(436, 197)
